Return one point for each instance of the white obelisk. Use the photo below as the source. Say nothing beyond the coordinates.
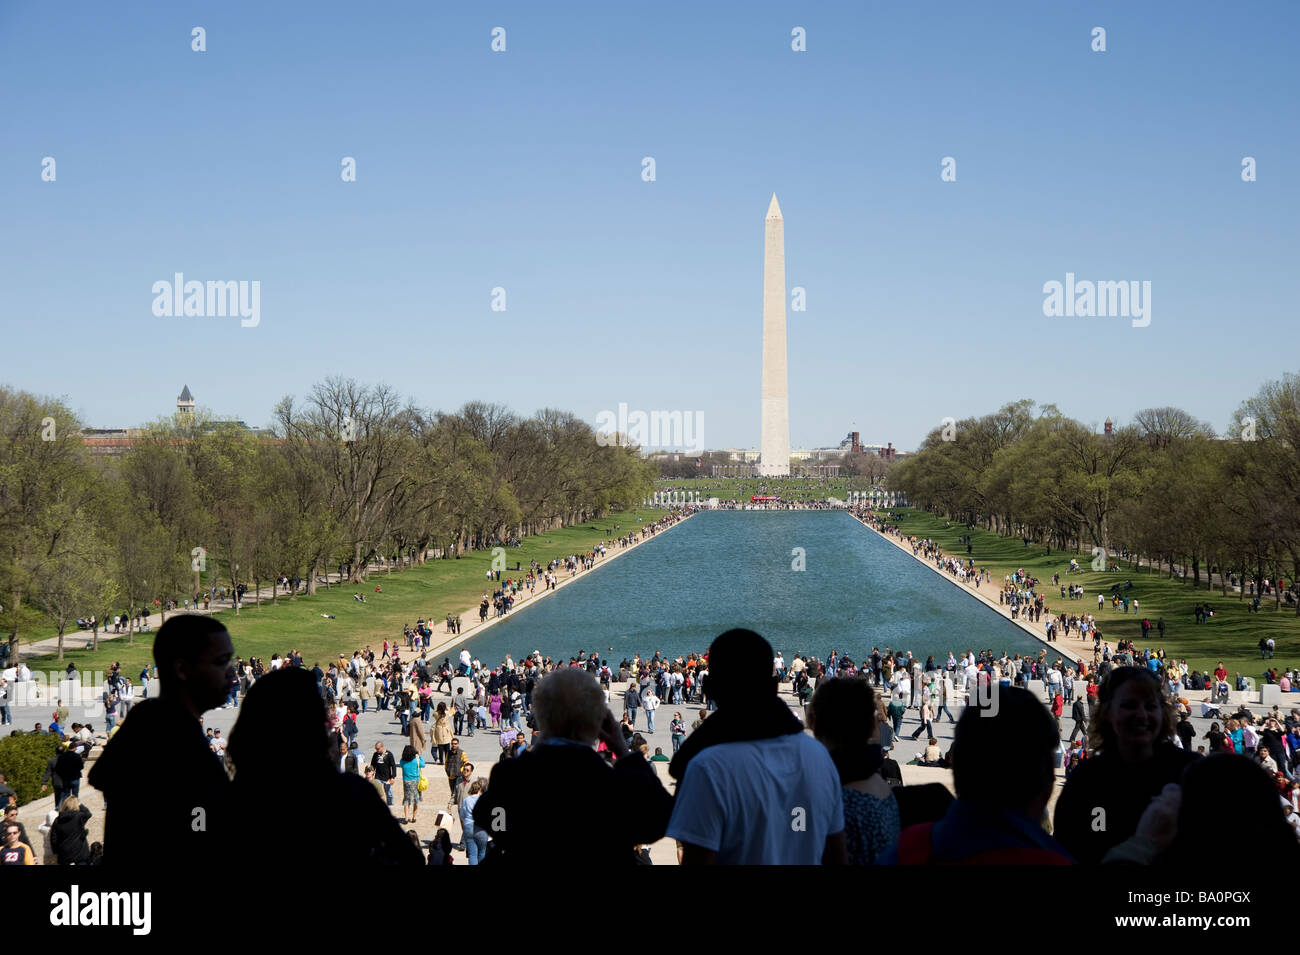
(774, 456)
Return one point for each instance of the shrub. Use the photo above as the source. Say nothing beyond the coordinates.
(22, 760)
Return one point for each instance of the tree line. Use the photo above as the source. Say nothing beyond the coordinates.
(1165, 487)
(349, 475)
(864, 464)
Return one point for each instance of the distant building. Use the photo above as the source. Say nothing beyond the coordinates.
(114, 441)
(108, 441)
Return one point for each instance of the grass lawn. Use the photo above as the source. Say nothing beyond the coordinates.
(438, 588)
(1231, 636)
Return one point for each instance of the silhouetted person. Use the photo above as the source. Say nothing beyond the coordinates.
(165, 795)
(1003, 768)
(1179, 823)
(1134, 758)
(285, 770)
(754, 789)
(560, 803)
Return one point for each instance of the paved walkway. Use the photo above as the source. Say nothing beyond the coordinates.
(77, 639)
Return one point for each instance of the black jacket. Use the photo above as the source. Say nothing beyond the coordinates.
(68, 837)
(1121, 791)
(563, 804)
(166, 797)
(370, 836)
(69, 766)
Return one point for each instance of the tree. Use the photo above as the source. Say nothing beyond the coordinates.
(43, 471)
(356, 435)
(75, 576)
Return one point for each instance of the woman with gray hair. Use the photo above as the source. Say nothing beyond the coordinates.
(537, 804)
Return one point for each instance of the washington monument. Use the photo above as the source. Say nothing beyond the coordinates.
(774, 452)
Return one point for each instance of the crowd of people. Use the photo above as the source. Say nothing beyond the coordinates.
(747, 784)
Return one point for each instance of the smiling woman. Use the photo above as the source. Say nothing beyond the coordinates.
(1132, 734)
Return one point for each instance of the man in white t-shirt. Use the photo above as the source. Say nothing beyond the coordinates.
(775, 800)
(1053, 683)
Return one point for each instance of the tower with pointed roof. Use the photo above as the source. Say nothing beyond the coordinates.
(185, 403)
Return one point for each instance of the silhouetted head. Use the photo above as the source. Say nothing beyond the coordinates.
(443, 841)
(842, 713)
(195, 661)
(740, 668)
(1261, 835)
(282, 723)
(1003, 754)
(569, 704)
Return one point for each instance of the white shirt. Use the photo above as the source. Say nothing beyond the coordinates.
(769, 802)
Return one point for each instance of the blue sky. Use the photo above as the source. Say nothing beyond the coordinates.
(522, 170)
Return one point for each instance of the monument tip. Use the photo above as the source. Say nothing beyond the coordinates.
(773, 210)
